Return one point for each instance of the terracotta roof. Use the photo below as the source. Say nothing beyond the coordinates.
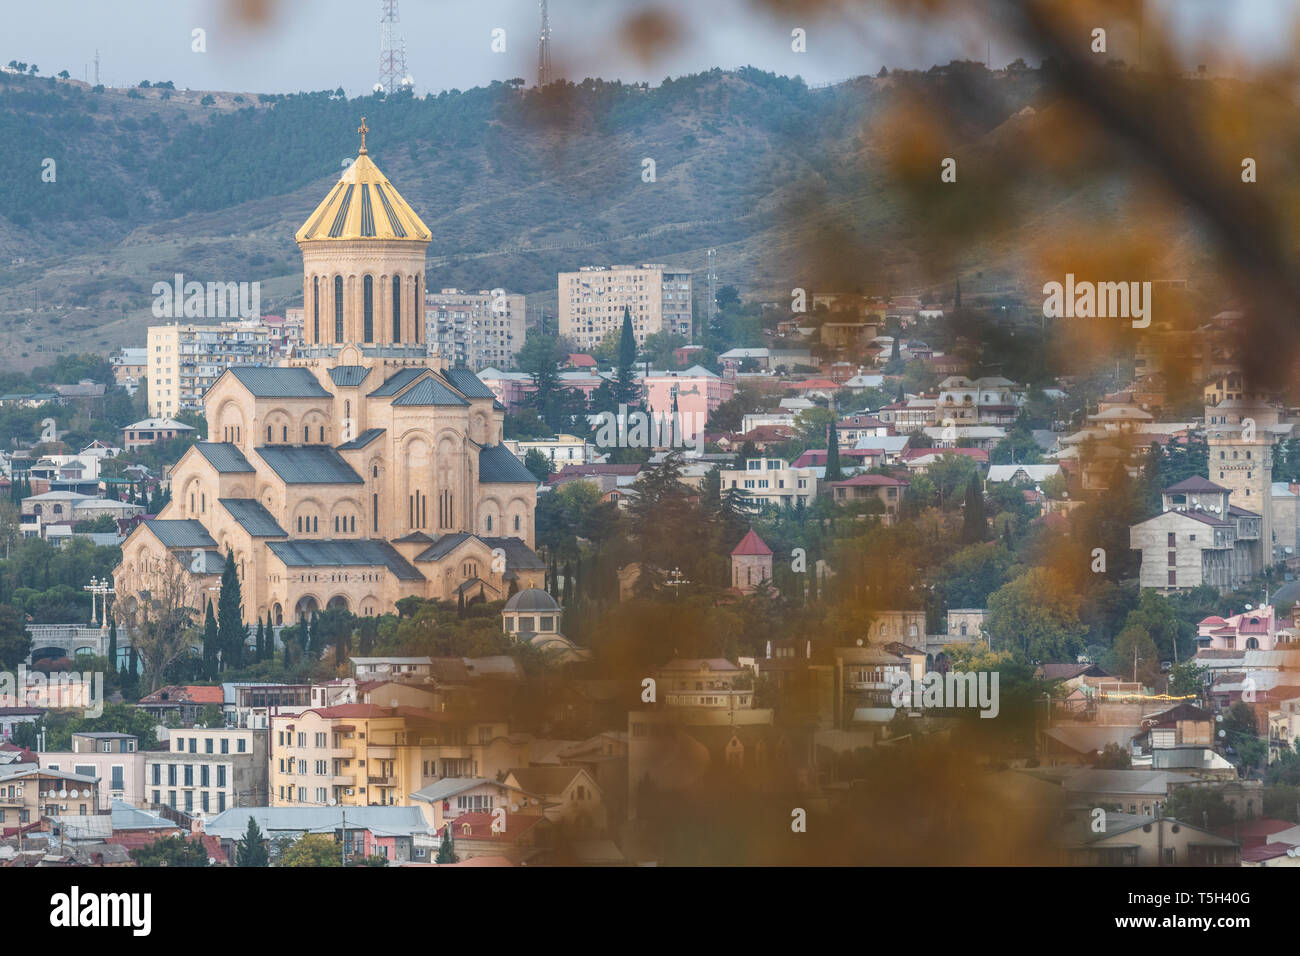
(870, 480)
(188, 694)
(480, 826)
(751, 544)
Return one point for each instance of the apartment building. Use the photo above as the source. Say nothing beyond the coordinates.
(771, 481)
(592, 301)
(208, 770)
(184, 360)
(28, 796)
(476, 330)
(365, 754)
(114, 759)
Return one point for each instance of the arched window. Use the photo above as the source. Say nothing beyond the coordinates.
(368, 308)
(489, 522)
(315, 310)
(268, 434)
(397, 309)
(516, 522)
(338, 308)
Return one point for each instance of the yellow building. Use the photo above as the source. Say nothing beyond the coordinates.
(354, 474)
(364, 754)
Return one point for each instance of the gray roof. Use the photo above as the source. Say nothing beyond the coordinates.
(430, 391)
(349, 376)
(450, 786)
(232, 824)
(344, 553)
(496, 465)
(362, 440)
(224, 457)
(531, 599)
(398, 381)
(309, 465)
(444, 545)
(253, 517)
(181, 533)
(210, 562)
(467, 383)
(1089, 780)
(278, 382)
(519, 557)
(127, 817)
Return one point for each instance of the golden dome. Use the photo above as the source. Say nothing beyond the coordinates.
(363, 205)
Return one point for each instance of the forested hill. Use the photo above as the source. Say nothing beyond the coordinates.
(515, 184)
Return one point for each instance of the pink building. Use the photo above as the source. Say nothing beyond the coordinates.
(1254, 630)
(698, 392)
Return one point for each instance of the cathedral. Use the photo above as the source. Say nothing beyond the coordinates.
(358, 472)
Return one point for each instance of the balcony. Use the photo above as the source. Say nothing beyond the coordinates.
(382, 781)
(342, 753)
(343, 780)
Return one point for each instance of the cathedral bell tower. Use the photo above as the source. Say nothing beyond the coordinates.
(363, 271)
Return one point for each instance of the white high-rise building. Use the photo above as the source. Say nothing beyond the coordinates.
(475, 329)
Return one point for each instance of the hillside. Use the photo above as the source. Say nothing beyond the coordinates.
(792, 186)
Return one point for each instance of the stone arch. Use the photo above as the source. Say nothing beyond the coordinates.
(338, 602)
(516, 519)
(491, 517)
(416, 467)
(306, 605)
(368, 606)
(313, 514)
(231, 425)
(480, 427)
(310, 427)
(278, 428)
(350, 517)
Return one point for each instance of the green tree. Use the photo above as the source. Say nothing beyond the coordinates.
(975, 525)
(833, 470)
(251, 848)
(447, 848)
(626, 391)
(538, 464)
(231, 629)
(312, 849)
(1199, 806)
(211, 644)
(1036, 616)
(15, 642)
(173, 850)
(1135, 656)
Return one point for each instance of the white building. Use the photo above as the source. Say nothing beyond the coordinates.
(771, 481)
(475, 329)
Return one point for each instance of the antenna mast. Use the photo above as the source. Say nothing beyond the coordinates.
(544, 77)
(392, 49)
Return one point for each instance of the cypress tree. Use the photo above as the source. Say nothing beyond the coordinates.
(554, 589)
(259, 638)
(446, 849)
(568, 582)
(313, 638)
(112, 643)
(974, 523)
(514, 587)
(211, 644)
(833, 472)
(460, 603)
(268, 649)
(625, 390)
(231, 631)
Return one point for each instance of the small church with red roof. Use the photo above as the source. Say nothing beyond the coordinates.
(751, 563)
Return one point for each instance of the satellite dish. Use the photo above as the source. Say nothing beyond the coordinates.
(1250, 607)
(63, 794)
(332, 801)
(212, 861)
(378, 88)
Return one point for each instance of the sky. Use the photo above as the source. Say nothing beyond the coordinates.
(324, 44)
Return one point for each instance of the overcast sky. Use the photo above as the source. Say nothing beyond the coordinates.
(323, 44)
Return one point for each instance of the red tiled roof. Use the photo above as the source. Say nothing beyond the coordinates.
(751, 543)
(582, 360)
(869, 480)
(480, 824)
(979, 454)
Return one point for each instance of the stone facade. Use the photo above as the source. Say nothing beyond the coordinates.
(353, 474)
